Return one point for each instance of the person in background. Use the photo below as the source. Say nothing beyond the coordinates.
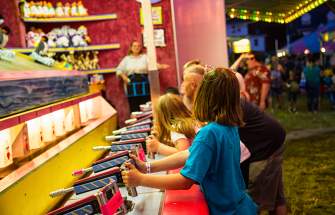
(218, 172)
(190, 83)
(329, 86)
(312, 73)
(174, 127)
(293, 90)
(191, 63)
(192, 79)
(277, 84)
(133, 70)
(257, 79)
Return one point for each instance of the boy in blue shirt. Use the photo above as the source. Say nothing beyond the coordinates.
(214, 157)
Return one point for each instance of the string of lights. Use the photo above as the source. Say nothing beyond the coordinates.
(282, 18)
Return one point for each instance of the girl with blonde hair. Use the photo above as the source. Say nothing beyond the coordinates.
(174, 127)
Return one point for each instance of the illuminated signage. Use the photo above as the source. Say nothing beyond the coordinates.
(241, 46)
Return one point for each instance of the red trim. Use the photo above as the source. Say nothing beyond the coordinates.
(7, 123)
(28, 116)
(112, 205)
(141, 155)
(184, 202)
(61, 106)
(106, 173)
(83, 201)
(21, 118)
(44, 111)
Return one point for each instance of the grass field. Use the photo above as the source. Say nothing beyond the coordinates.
(309, 164)
(303, 119)
(309, 175)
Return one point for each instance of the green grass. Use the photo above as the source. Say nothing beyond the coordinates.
(309, 164)
(303, 119)
(309, 175)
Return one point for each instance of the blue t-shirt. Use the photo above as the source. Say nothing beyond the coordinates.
(312, 75)
(214, 163)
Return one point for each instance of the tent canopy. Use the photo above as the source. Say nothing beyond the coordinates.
(313, 41)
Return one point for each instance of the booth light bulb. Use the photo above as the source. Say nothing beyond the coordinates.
(6, 157)
(34, 133)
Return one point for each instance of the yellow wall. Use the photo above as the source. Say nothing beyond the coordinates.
(30, 195)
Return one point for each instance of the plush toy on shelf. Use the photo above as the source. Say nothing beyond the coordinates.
(82, 65)
(42, 48)
(39, 9)
(64, 62)
(51, 10)
(82, 31)
(71, 59)
(25, 9)
(78, 40)
(38, 35)
(40, 54)
(82, 11)
(81, 61)
(74, 9)
(52, 39)
(60, 10)
(63, 40)
(30, 37)
(95, 61)
(88, 62)
(45, 10)
(33, 37)
(33, 9)
(67, 9)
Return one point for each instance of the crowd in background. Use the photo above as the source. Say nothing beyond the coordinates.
(293, 76)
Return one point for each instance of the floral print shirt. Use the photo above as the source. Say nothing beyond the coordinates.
(254, 80)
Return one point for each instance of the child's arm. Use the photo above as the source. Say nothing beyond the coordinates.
(180, 145)
(133, 178)
(153, 145)
(166, 150)
(174, 161)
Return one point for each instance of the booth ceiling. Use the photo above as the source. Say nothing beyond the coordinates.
(280, 11)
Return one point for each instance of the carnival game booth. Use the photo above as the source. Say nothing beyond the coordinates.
(140, 200)
(49, 123)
